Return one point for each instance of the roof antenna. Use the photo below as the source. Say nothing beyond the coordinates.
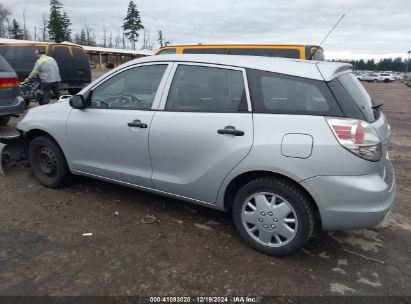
(311, 56)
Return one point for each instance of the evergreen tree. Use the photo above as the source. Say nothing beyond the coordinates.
(15, 31)
(66, 27)
(59, 24)
(370, 65)
(132, 24)
(81, 38)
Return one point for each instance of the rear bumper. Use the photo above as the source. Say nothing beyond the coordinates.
(353, 202)
(16, 107)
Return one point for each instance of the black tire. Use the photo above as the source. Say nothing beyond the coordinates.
(375, 80)
(299, 201)
(73, 91)
(4, 120)
(386, 80)
(47, 162)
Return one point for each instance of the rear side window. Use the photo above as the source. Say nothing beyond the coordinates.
(26, 53)
(286, 53)
(207, 89)
(8, 52)
(359, 95)
(205, 51)
(283, 94)
(61, 54)
(167, 51)
(80, 57)
(4, 65)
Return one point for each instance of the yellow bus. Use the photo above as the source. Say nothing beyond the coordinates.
(270, 50)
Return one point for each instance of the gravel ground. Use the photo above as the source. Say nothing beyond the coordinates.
(191, 250)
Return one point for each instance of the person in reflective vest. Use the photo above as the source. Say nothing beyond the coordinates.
(47, 70)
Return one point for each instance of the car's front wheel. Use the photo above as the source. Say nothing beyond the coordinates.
(47, 162)
(273, 216)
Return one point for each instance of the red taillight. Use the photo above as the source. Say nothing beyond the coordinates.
(343, 132)
(6, 83)
(357, 136)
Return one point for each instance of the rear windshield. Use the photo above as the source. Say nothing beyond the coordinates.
(359, 95)
(4, 65)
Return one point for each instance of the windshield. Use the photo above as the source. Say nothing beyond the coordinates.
(359, 95)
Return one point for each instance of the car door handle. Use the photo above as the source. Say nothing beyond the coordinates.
(137, 124)
(231, 130)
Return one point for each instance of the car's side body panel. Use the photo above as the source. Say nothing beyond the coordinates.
(190, 158)
(102, 144)
(182, 154)
(265, 155)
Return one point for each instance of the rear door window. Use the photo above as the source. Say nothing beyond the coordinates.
(207, 89)
(359, 95)
(283, 94)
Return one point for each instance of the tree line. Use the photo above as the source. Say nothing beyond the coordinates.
(56, 27)
(386, 64)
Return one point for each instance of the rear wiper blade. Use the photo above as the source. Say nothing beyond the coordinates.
(377, 107)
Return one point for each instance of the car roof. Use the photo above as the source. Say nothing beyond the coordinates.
(320, 70)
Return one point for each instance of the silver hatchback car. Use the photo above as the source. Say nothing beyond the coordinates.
(283, 144)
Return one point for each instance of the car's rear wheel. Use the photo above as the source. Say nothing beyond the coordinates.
(375, 80)
(47, 162)
(4, 120)
(273, 216)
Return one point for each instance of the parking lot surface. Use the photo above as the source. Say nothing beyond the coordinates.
(147, 244)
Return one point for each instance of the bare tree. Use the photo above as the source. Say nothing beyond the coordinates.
(8, 28)
(44, 22)
(117, 41)
(4, 13)
(104, 34)
(147, 44)
(24, 23)
(110, 40)
(90, 35)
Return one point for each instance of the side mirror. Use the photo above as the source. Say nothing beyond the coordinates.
(77, 102)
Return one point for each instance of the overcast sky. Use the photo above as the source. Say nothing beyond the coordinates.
(370, 29)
